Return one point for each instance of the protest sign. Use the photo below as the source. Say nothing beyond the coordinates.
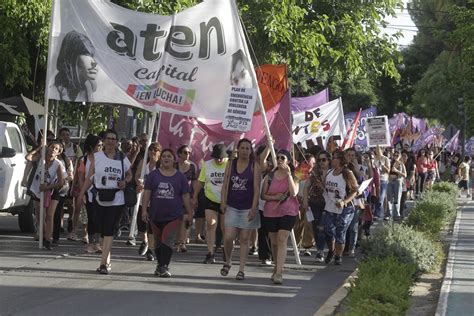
(378, 132)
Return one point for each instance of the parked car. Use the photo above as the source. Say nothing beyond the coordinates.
(13, 196)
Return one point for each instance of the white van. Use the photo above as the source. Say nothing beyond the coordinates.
(13, 196)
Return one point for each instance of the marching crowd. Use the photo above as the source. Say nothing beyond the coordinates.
(330, 198)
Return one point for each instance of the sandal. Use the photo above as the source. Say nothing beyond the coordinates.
(225, 270)
(240, 276)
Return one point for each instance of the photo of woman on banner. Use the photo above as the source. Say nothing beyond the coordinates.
(240, 71)
(77, 68)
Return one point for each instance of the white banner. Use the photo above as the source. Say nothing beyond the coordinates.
(184, 64)
(378, 131)
(323, 121)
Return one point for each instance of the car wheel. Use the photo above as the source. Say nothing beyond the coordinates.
(26, 219)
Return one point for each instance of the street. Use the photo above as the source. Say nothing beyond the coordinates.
(64, 281)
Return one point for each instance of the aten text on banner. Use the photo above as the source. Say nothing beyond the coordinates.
(185, 63)
(322, 121)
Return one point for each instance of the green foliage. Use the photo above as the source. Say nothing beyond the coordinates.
(435, 208)
(382, 287)
(447, 187)
(405, 244)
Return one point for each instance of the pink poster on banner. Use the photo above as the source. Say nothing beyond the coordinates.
(176, 130)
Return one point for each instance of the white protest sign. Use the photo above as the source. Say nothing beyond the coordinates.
(378, 132)
(240, 109)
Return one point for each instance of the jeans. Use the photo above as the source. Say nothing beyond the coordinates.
(317, 208)
(379, 207)
(353, 231)
(394, 194)
(336, 225)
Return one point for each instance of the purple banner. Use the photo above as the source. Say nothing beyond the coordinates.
(361, 136)
(431, 137)
(308, 103)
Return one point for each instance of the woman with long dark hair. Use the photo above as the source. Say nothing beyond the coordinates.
(77, 68)
(340, 190)
(281, 209)
(239, 203)
(313, 197)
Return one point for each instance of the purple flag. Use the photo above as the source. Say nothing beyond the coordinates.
(307, 103)
(419, 124)
(430, 136)
(361, 136)
(452, 145)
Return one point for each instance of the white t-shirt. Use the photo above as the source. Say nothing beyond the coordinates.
(50, 177)
(335, 190)
(107, 173)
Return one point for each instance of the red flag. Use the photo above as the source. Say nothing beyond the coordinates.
(351, 133)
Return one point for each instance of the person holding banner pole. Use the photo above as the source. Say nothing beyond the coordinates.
(382, 163)
(281, 209)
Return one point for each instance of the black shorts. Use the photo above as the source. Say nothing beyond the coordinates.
(210, 205)
(107, 218)
(55, 196)
(274, 224)
(199, 212)
(462, 184)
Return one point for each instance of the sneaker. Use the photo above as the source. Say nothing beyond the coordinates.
(149, 255)
(386, 218)
(278, 278)
(163, 272)
(253, 251)
(131, 242)
(337, 260)
(103, 269)
(329, 257)
(47, 245)
(210, 259)
(320, 257)
(108, 266)
(307, 253)
(143, 248)
(352, 254)
(267, 262)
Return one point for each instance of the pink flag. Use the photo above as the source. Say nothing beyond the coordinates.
(351, 133)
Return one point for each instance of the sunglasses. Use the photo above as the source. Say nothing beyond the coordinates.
(322, 160)
(111, 138)
(281, 157)
(186, 152)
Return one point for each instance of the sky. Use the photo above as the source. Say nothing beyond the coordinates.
(402, 22)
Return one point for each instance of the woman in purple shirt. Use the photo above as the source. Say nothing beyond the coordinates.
(239, 203)
(167, 193)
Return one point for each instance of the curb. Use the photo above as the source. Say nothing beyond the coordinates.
(448, 275)
(334, 301)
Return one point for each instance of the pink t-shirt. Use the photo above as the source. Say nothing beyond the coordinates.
(278, 209)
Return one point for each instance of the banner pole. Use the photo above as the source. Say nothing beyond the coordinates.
(133, 225)
(45, 133)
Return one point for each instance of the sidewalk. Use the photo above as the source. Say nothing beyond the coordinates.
(457, 292)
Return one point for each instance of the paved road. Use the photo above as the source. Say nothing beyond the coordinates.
(457, 293)
(38, 282)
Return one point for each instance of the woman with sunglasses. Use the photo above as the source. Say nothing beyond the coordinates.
(281, 209)
(167, 195)
(53, 180)
(144, 228)
(340, 190)
(188, 168)
(313, 197)
(109, 172)
(397, 176)
(239, 203)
